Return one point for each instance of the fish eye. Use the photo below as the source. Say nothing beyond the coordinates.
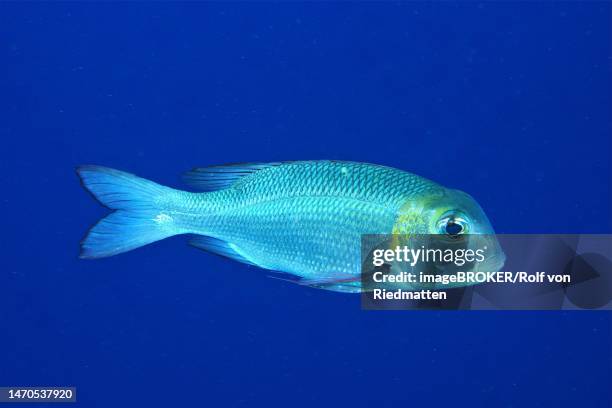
(452, 225)
(453, 228)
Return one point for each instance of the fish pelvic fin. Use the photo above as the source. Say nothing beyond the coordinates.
(139, 216)
(338, 283)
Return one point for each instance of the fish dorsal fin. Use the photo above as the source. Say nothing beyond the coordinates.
(219, 247)
(220, 177)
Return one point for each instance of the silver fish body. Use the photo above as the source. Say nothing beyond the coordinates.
(303, 218)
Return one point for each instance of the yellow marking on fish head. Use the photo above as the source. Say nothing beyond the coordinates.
(409, 221)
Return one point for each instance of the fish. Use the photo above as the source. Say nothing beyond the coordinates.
(301, 219)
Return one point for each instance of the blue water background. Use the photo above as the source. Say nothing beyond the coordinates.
(510, 102)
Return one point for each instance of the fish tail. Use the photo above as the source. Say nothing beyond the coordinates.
(139, 218)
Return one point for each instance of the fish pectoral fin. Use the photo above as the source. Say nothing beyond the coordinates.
(220, 177)
(219, 247)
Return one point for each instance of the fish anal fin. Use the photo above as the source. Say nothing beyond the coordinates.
(219, 247)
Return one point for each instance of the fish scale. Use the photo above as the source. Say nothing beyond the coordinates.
(326, 202)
